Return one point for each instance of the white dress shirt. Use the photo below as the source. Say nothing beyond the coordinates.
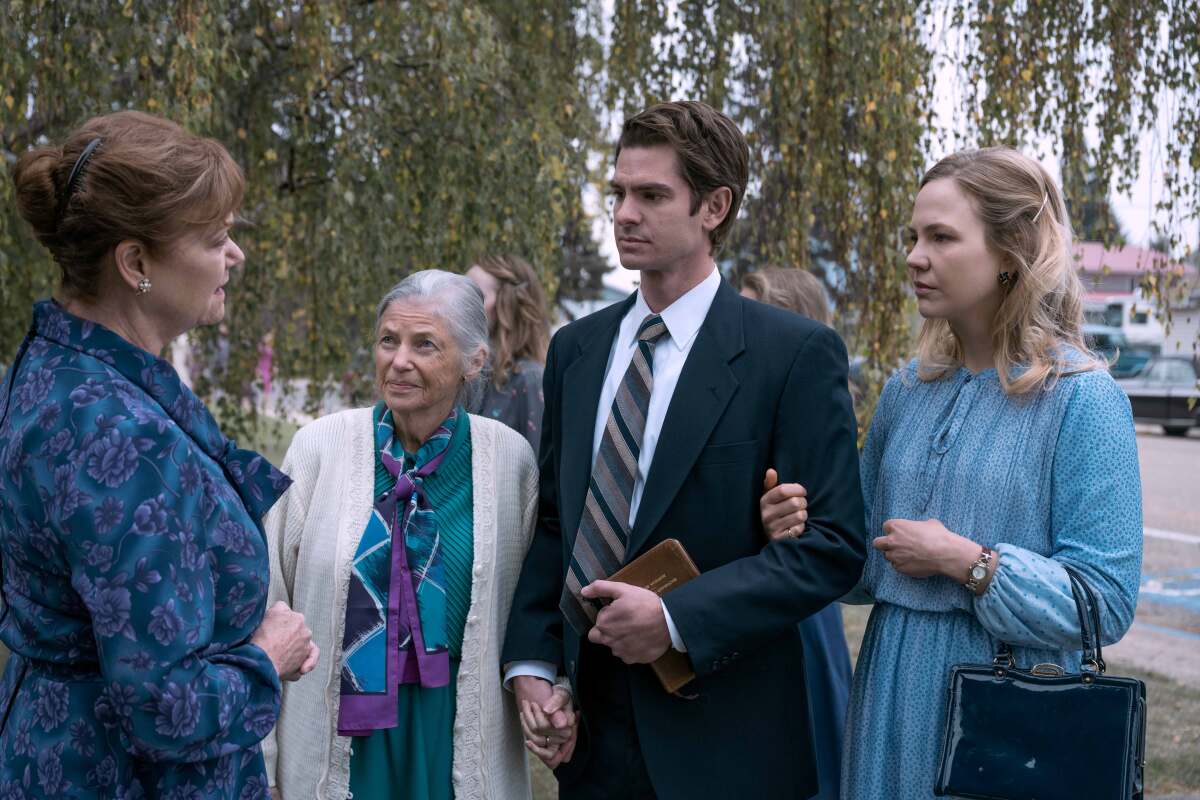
(683, 319)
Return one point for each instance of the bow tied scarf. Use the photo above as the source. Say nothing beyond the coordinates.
(396, 605)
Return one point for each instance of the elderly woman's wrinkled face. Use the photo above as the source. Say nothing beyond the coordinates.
(418, 364)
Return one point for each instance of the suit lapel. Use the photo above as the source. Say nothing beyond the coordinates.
(704, 390)
(583, 380)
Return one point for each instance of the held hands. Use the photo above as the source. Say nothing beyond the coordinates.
(548, 719)
(632, 625)
(287, 641)
(921, 548)
(784, 508)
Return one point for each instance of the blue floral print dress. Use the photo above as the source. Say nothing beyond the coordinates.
(134, 572)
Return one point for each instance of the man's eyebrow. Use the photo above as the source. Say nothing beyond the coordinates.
(643, 187)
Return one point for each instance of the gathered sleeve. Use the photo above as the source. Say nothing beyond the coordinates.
(1096, 528)
(172, 573)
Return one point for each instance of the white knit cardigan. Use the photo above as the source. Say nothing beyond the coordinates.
(313, 533)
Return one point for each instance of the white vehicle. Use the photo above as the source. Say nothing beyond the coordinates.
(1136, 317)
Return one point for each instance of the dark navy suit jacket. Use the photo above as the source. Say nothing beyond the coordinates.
(761, 388)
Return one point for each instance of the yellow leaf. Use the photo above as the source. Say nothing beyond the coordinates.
(270, 155)
(1027, 74)
(8, 101)
(870, 106)
(241, 133)
(151, 103)
(891, 155)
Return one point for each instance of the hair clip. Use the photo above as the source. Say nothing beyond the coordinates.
(76, 174)
(1045, 200)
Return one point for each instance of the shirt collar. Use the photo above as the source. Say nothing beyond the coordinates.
(684, 317)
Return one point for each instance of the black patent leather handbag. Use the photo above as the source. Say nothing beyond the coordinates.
(1042, 733)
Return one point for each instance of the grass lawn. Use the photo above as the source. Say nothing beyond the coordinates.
(271, 437)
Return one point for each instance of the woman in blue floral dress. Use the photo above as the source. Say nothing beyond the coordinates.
(144, 662)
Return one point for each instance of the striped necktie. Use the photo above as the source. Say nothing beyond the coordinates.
(599, 549)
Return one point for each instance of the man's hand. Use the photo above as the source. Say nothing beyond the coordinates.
(632, 625)
(783, 508)
(548, 719)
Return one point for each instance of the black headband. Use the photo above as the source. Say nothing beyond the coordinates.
(76, 174)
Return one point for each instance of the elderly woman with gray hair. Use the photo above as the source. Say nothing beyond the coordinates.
(401, 541)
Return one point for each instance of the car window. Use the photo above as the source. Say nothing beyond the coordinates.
(1180, 372)
(1158, 372)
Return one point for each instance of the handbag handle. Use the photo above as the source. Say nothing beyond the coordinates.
(1089, 628)
(1089, 620)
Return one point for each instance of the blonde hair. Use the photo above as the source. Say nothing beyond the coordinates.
(794, 289)
(521, 329)
(1040, 319)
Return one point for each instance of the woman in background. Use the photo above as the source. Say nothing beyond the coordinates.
(519, 333)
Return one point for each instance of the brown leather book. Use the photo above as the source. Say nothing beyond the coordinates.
(660, 569)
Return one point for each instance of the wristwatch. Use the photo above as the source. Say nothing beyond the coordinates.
(979, 570)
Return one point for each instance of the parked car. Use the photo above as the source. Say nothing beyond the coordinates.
(1166, 393)
(1132, 361)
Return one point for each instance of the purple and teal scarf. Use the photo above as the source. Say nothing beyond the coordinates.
(396, 607)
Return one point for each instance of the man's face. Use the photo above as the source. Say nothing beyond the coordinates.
(652, 219)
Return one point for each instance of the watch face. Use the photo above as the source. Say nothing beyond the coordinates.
(978, 572)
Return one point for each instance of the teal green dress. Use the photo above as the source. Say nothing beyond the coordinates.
(414, 759)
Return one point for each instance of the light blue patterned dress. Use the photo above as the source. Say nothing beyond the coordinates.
(134, 572)
(1045, 480)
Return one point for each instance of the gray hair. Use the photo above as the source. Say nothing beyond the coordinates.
(460, 303)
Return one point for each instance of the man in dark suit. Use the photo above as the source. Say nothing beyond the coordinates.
(662, 415)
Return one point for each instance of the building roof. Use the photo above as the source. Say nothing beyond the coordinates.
(1092, 258)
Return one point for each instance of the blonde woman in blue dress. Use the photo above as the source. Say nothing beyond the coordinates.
(1003, 452)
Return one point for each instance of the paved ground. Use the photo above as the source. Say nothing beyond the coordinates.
(1165, 637)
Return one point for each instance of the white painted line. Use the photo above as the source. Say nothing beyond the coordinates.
(1174, 536)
